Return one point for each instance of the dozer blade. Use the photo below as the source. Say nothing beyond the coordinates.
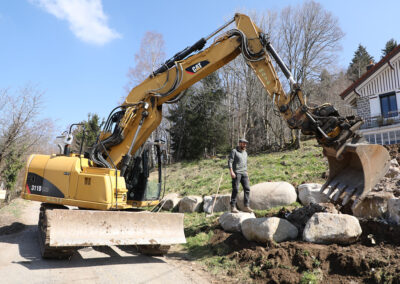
(354, 170)
(70, 228)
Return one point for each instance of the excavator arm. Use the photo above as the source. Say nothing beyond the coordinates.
(141, 112)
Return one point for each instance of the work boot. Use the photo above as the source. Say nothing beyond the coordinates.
(247, 209)
(234, 209)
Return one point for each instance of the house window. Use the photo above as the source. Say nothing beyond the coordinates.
(397, 136)
(378, 138)
(385, 138)
(372, 139)
(392, 137)
(388, 104)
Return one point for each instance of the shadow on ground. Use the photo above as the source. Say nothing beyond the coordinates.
(25, 236)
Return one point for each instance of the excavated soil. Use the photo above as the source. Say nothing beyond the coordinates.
(375, 258)
(285, 262)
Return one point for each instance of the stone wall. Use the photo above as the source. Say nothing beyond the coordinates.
(363, 107)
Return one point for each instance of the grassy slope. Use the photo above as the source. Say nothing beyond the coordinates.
(306, 164)
(201, 178)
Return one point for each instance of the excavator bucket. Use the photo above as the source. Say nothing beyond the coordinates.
(354, 170)
(72, 228)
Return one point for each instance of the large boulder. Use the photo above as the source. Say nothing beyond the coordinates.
(170, 201)
(310, 193)
(374, 205)
(232, 222)
(328, 228)
(394, 210)
(300, 216)
(190, 204)
(268, 229)
(222, 203)
(269, 194)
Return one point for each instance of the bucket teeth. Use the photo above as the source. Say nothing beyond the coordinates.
(348, 194)
(354, 175)
(341, 188)
(332, 188)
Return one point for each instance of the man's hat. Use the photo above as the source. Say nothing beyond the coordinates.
(243, 140)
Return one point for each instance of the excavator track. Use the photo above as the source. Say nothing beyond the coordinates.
(44, 236)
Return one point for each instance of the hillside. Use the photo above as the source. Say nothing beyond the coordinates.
(201, 177)
(231, 258)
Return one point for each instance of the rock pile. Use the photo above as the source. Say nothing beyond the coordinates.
(262, 196)
(318, 221)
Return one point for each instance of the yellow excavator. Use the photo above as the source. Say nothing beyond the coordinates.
(109, 184)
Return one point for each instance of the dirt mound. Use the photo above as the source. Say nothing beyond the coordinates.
(374, 259)
(288, 261)
(380, 232)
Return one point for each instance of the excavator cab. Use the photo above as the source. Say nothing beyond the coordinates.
(141, 189)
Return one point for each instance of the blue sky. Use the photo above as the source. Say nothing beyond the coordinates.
(79, 54)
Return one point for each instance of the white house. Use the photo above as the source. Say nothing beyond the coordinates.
(376, 95)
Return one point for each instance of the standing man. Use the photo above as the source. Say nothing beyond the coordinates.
(237, 164)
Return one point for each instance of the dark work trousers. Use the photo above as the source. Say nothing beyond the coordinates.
(244, 180)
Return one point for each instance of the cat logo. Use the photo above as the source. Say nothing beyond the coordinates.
(196, 67)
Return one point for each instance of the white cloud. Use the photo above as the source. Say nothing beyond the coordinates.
(86, 18)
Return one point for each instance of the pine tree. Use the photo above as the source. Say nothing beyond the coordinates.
(199, 121)
(359, 63)
(92, 129)
(389, 46)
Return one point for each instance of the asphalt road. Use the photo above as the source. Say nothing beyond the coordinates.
(20, 261)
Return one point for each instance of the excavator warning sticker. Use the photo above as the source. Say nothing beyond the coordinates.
(196, 67)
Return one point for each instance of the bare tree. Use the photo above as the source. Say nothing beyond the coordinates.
(327, 89)
(21, 130)
(309, 40)
(150, 55)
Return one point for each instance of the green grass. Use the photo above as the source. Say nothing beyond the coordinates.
(198, 232)
(275, 210)
(310, 277)
(201, 177)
